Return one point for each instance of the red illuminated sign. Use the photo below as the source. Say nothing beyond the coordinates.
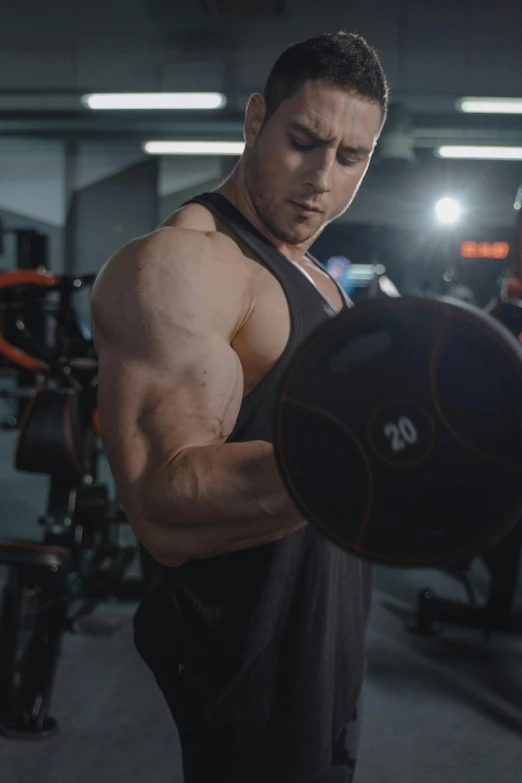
(496, 250)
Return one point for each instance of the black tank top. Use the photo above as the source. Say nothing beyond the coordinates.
(272, 637)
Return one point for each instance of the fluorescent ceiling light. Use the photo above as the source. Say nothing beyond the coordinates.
(194, 147)
(155, 100)
(490, 105)
(481, 153)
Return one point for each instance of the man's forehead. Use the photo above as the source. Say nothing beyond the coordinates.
(324, 110)
(317, 105)
(325, 129)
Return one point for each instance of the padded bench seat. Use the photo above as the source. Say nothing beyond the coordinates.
(31, 553)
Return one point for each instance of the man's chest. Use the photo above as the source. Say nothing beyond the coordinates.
(264, 336)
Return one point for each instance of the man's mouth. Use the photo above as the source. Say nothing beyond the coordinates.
(306, 209)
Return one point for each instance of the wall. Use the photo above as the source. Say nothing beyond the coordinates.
(108, 214)
(32, 194)
(181, 179)
(42, 182)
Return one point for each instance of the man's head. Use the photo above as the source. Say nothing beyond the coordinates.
(310, 138)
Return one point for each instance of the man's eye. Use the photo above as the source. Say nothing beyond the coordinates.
(347, 162)
(301, 147)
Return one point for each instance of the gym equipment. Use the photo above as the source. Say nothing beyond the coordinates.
(361, 281)
(399, 431)
(381, 287)
(32, 253)
(55, 584)
(61, 344)
(495, 612)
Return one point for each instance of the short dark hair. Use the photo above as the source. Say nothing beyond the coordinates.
(344, 60)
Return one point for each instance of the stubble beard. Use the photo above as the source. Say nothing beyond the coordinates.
(267, 207)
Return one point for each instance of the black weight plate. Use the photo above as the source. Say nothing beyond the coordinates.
(399, 430)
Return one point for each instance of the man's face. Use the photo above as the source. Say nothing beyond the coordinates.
(312, 154)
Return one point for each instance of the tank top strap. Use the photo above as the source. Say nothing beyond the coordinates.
(308, 307)
(288, 274)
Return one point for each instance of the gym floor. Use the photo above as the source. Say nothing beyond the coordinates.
(436, 711)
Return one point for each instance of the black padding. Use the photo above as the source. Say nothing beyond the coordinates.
(53, 439)
(399, 430)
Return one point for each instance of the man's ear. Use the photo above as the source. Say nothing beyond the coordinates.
(254, 118)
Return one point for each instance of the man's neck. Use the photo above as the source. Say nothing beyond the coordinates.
(234, 189)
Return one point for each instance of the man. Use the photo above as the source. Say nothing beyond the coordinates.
(255, 626)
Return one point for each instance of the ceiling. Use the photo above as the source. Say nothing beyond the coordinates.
(432, 53)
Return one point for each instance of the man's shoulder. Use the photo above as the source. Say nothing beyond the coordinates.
(171, 251)
(175, 275)
(172, 265)
(193, 216)
(197, 219)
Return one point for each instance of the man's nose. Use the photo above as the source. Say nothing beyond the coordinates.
(319, 177)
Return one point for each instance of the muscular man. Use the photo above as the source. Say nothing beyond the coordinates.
(255, 626)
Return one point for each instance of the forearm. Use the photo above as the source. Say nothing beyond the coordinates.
(219, 499)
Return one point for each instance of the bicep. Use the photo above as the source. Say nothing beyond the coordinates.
(153, 408)
(168, 378)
